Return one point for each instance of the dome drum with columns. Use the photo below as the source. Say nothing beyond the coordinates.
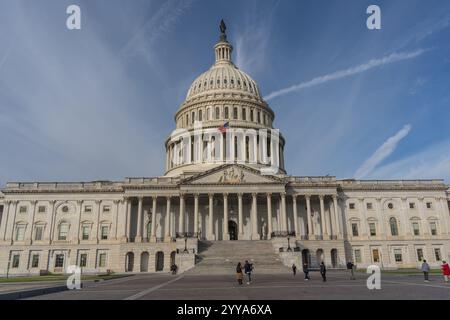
(223, 94)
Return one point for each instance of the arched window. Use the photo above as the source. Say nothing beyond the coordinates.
(217, 113)
(244, 114)
(394, 227)
(259, 117)
(235, 148)
(226, 112)
(187, 119)
(208, 114)
(200, 115)
(247, 149)
(193, 117)
(235, 113)
(251, 115)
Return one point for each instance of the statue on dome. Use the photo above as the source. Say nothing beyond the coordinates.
(223, 28)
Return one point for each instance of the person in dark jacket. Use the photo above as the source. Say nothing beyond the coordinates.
(350, 266)
(239, 274)
(248, 268)
(294, 269)
(306, 271)
(323, 271)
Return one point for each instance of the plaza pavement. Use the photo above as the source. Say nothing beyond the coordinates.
(278, 287)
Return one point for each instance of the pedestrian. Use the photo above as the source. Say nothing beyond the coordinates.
(174, 268)
(306, 271)
(239, 274)
(248, 268)
(323, 271)
(294, 269)
(425, 270)
(445, 270)
(350, 266)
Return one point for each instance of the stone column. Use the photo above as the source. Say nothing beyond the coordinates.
(362, 210)
(128, 214)
(322, 218)
(80, 210)
(196, 215)
(294, 204)
(139, 220)
(225, 233)
(336, 217)
(424, 230)
(255, 234)
(167, 234)
(269, 216)
(444, 215)
(181, 217)
(210, 233)
(283, 212)
(115, 219)
(50, 218)
(153, 230)
(4, 221)
(381, 219)
(328, 219)
(309, 219)
(29, 235)
(240, 216)
(98, 203)
(11, 235)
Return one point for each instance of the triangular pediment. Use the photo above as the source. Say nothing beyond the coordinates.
(232, 174)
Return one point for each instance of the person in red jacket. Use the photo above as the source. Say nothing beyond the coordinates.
(445, 270)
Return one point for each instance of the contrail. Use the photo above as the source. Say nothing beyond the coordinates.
(394, 57)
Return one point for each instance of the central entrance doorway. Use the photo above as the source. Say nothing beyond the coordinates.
(232, 230)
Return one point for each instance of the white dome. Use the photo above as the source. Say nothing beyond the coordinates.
(223, 76)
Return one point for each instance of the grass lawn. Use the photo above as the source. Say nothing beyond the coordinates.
(58, 277)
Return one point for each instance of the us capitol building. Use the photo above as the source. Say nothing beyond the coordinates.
(220, 185)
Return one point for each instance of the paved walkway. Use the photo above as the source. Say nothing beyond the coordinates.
(281, 287)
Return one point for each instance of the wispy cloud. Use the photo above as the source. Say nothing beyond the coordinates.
(253, 37)
(159, 24)
(386, 149)
(392, 58)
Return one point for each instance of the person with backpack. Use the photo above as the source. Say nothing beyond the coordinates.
(248, 268)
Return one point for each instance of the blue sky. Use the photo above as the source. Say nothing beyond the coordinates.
(98, 103)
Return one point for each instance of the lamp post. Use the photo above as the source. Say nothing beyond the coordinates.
(185, 242)
(289, 244)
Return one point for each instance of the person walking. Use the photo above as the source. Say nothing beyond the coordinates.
(323, 271)
(239, 274)
(248, 268)
(294, 269)
(306, 271)
(350, 266)
(445, 270)
(425, 270)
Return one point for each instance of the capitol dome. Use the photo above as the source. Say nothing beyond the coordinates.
(223, 96)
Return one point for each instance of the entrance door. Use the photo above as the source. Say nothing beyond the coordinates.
(232, 230)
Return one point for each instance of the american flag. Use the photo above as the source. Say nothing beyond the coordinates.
(224, 127)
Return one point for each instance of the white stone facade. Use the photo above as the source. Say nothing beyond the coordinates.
(146, 224)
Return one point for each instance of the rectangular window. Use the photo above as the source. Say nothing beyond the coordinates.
(429, 205)
(106, 209)
(20, 233)
(235, 113)
(15, 261)
(398, 255)
(23, 209)
(35, 261)
(358, 256)
(200, 115)
(437, 254)
(63, 231)
(412, 205)
(105, 231)
(87, 209)
(83, 260)
(369, 206)
(433, 228)
(38, 233)
(355, 229)
(376, 255)
(416, 228)
(59, 261)
(244, 114)
(259, 117)
(351, 205)
(102, 260)
(85, 232)
(419, 254)
(251, 115)
(373, 229)
(42, 209)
